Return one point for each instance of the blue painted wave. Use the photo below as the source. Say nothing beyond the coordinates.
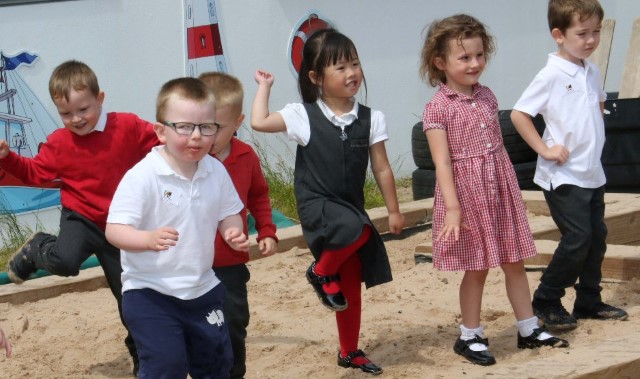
(27, 199)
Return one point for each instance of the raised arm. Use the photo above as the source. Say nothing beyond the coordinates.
(261, 119)
(383, 174)
(526, 129)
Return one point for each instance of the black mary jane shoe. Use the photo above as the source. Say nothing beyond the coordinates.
(369, 367)
(483, 358)
(336, 301)
(532, 341)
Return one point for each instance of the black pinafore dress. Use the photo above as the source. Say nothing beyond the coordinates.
(329, 180)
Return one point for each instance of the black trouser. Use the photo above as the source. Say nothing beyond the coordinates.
(579, 214)
(236, 313)
(77, 240)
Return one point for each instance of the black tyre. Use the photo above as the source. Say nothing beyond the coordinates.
(423, 183)
(420, 148)
(525, 173)
(518, 150)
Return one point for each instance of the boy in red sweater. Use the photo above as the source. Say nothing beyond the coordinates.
(88, 157)
(243, 166)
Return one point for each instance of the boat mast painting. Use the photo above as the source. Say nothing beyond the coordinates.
(25, 124)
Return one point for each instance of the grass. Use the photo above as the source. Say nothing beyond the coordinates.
(12, 234)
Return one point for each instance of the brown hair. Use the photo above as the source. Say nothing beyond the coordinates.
(436, 43)
(560, 13)
(186, 88)
(226, 88)
(72, 75)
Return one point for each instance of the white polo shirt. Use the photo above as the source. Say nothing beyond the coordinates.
(152, 195)
(298, 129)
(568, 96)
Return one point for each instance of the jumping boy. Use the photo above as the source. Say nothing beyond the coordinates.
(243, 166)
(88, 156)
(567, 93)
(164, 217)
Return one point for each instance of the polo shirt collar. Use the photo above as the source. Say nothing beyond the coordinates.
(345, 119)
(569, 68)
(102, 122)
(163, 169)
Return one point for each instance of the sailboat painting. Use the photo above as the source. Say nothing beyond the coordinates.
(25, 124)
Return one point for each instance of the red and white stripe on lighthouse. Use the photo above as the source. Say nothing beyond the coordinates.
(204, 45)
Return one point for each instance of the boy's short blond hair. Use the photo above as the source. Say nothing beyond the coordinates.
(185, 88)
(74, 75)
(560, 13)
(226, 88)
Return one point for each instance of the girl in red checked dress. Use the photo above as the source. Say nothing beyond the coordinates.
(479, 219)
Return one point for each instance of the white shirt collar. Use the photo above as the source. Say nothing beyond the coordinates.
(341, 121)
(102, 122)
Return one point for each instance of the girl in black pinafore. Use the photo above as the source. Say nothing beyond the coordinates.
(336, 137)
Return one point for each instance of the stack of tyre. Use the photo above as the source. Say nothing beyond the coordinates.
(522, 156)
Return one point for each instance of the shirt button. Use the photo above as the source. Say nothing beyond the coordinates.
(488, 145)
(483, 126)
(473, 105)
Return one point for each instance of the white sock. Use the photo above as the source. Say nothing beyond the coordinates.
(526, 327)
(469, 334)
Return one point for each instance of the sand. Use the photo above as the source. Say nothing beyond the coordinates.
(409, 327)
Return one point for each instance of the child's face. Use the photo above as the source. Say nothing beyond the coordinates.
(81, 113)
(191, 148)
(229, 118)
(579, 40)
(465, 62)
(340, 80)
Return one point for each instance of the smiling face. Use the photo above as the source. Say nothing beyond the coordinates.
(340, 80)
(580, 39)
(183, 152)
(464, 63)
(81, 112)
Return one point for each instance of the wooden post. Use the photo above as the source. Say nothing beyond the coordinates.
(601, 56)
(630, 87)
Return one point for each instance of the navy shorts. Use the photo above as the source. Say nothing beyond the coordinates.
(177, 337)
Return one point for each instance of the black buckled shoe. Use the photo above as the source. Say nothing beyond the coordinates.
(368, 367)
(553, 315)
(22, 265)
(483, 358)
(532, 341)
(601, 311)
(335, 302)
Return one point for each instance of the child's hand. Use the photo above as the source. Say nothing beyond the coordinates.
(5, 343)
(236, 239)
(162, 238)
(267, 246)
(4, 149)
(396, 222)
(264, 77)
(452, 224)
(558, 153)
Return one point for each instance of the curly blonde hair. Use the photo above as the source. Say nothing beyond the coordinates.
(439, 33)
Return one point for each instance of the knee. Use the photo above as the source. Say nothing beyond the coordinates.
(63, 267)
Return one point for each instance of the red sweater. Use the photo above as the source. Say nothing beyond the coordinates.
(243, 166)
(88, 167)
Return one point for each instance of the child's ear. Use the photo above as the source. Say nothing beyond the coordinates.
(160, 129)
(239, 122)
(440, 63)
(557, 35)
(313, 76)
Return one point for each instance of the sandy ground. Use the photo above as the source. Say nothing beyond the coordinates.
(409, 326)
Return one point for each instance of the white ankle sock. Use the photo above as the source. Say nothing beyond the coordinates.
(526, 327)
(469, 334)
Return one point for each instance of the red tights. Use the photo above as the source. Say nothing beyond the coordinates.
(346, 263)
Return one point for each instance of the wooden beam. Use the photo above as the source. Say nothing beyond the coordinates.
(601, 55)
(630, 87)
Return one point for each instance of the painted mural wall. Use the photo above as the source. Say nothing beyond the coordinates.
(134, 46)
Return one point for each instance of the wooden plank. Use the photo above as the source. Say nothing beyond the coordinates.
(630, 87)
(601, 55)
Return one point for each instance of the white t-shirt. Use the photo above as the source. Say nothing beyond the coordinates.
(568, 96)
(298, 128)
(152, 195)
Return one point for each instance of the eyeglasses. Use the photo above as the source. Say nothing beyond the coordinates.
(186, 128)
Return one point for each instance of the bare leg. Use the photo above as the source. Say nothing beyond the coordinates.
(471, 290)
(518, 290)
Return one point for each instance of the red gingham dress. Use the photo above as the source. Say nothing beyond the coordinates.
(485, 181)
